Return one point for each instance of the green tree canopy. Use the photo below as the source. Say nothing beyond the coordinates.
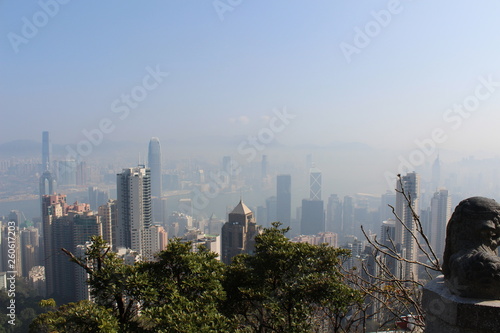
(79, 317)
(283, 287)
(182, 290)
(286, 286)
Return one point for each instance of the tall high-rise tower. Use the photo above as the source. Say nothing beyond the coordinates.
(133, 187)
(76, 227)
(45, 151)
(284, 199)
(315, 183)
(154, 164)
(53, 207)
(109, 220)
(440, 215)
(405, 235)
(47, 180)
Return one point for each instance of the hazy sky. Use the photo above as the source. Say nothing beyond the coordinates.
(382, 73)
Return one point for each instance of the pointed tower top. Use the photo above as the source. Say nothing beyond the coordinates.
(241, 209)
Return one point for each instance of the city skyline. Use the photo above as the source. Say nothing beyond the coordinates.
(128, 221)
(202, 123)
(363, 88)
(476, 177)
(356, 75)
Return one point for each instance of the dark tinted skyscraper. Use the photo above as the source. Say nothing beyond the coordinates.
(313, 217)
(284, 199)
(154, 164)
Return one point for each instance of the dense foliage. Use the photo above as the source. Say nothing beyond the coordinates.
(26, 306)
(282, 287)
(287, 287)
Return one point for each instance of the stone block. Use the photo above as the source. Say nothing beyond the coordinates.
(449, 313)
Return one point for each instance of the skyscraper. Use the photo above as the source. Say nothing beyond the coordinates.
(313, 217)
(85, 226)
(45, 151)
(82, 289)
(407, 229)
(29, 249)
(284, 199)
(108, 214)
(53, 207)
(440, 215)
(47, 183)
(315, 183)
(133, 189)
(8, 237)
(154, 164)
(334, 215)
(75, 227)
(388, 232)
(64, 226)
(387, 237)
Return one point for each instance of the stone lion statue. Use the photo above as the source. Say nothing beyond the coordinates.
(471, 266)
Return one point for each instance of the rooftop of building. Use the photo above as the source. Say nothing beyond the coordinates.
(241, 209)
